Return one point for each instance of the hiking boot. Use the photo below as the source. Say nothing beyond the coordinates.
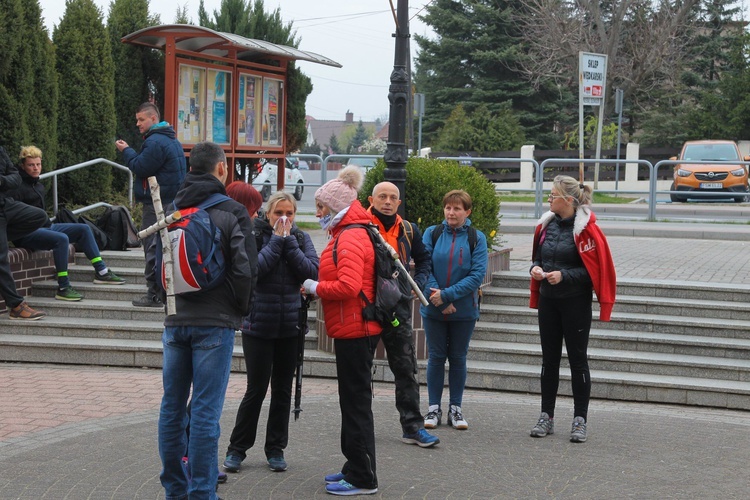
(24, 311)
(345, 488)
(578, 432)
(433, 417)
(421, 438)
(544, 426)
(277, 464)
(67, 293)
(148, 301)
(232, 463)
(334, 478)
(456, 418)
(108, 279)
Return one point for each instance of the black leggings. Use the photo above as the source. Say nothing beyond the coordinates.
(568, 318)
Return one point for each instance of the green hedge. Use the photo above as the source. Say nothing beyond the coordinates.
(428, 180)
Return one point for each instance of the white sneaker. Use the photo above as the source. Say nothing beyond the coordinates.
(433, 417)
(456, 418)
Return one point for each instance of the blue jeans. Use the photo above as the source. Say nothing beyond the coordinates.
(447, 340)
(57, 238)
(201, 355)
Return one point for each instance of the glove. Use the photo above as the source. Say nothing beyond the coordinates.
(310, 286)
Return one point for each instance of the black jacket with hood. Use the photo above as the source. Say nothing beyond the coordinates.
(225, 305)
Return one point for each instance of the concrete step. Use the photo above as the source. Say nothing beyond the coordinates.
(634, 341)
(85, 273)
(657, 306)
(705, 327)
(132, 258)
(658, 363)
(691, 290)
(122, 293)
(111, 310)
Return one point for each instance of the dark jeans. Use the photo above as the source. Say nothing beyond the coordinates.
(16, 221)
(57, 238)
(399, 346)
(568, 319)
(149, 249)
(354, 376)
(266, 360)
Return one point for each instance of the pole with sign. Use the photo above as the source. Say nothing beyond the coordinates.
(419, 111)
(592, 79)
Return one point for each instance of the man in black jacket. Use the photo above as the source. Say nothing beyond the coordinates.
(199, 339)
(16, 220)
(398, 340)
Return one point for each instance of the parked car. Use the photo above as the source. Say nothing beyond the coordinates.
(265, 181)
(364, 163)
(728, 181)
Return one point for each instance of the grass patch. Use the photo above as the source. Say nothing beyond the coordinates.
(308, 225)
(598, 198)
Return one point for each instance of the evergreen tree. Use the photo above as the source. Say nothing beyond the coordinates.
(312, 149)
(481, 131)
(252, 21)
(475, 60)
(13, 128)
(333, 145)
(360, 136)
(86, 119)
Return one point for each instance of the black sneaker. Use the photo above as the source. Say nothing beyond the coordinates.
(148, 301)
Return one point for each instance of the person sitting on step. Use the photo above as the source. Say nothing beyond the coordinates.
(57, 237)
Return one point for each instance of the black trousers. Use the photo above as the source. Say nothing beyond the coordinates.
(568, 319)
(399, 347)
(266, 360)
(149, 248)
(16, 221)
(354, 375)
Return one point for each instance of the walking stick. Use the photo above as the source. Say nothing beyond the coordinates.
(166, 246)
(400, 265)
(303, 329)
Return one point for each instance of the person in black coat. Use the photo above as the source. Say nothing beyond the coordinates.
(270, 335)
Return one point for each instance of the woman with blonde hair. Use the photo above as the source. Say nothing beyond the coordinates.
(571, 258)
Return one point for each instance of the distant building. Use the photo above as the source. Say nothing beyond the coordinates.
(321, 130)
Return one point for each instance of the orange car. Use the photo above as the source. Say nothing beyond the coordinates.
(721, 179)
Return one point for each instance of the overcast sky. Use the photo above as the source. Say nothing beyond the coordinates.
(355, 33)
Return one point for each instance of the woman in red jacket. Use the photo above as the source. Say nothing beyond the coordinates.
(343, 278)
(570, 258)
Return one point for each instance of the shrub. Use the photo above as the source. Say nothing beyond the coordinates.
(428, 180)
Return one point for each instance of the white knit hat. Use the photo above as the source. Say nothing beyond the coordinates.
(339, 193)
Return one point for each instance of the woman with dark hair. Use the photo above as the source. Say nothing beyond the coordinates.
(270, 335)
(570, 259)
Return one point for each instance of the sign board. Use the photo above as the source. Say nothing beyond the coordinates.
(592, 78)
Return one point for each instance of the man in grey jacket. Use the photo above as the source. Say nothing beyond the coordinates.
(199, 339)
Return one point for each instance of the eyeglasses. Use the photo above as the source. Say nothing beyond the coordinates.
(554, 196)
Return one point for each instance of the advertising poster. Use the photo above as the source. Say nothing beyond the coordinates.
(272, 121)
(217, 118)
(190, 97)
(251, 112)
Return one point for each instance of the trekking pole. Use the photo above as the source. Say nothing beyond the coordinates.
(300, 355)
(166, 247)
(397, 260)
(159, 225)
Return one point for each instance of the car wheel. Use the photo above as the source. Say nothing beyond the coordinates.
(265, 193)
(298, 191)
(742, 199)
(673, 197)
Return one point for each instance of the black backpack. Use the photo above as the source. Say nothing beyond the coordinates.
(471, 233)
(117, 223)
(65, 216)
(387, 275)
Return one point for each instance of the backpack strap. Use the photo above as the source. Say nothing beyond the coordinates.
(335, 256)
(212, 200)
(408, 231)
(471, 233)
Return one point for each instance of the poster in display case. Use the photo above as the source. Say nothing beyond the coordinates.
(249, 110)
(218, 116)
(190, 105)
(272, 112)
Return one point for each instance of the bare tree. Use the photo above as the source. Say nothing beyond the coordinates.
(644, 39)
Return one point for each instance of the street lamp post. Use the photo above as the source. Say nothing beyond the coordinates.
(396, 153)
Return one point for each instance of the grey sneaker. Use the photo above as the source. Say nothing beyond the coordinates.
(544, 426)
(433, 417)
(456, 418)
(148, 301)
(578, 432)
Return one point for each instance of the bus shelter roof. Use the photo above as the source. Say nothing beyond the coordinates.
(210, 43)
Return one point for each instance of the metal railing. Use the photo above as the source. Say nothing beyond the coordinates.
(57, 173)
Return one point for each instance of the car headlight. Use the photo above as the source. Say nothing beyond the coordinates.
(683, 173)
(739, 172)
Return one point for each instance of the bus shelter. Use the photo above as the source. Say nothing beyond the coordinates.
(227, 89)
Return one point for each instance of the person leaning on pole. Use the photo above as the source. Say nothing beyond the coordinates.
(398, 340)
(162, 157)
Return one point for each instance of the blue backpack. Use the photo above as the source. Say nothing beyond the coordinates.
(198, 259)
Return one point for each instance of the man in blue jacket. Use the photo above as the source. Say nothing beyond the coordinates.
(161, 156)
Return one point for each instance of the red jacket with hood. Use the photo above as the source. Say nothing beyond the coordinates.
(594, 251)
(339, 285)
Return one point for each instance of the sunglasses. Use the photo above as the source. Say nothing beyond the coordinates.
(554, 196)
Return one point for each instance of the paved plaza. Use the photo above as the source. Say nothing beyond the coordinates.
(71, 432)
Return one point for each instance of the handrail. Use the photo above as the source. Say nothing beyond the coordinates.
(56, 173)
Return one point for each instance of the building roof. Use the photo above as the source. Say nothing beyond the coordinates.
(321, 130)
(216, 44)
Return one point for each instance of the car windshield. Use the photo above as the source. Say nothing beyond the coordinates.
(363, 162)
(710, 152)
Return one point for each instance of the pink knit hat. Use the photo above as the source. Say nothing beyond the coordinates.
(339, 193)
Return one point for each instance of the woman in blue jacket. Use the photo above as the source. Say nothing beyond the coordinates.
(270, 335)
(459, 263)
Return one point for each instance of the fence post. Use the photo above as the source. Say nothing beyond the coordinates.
(527, 168)
(631, 169)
